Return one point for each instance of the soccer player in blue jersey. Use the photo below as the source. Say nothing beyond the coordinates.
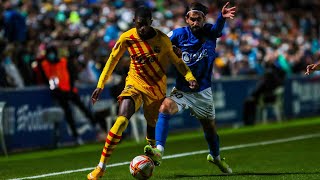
(196, 43)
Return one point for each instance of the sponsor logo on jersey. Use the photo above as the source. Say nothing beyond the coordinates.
(143, 58)
(191, 59)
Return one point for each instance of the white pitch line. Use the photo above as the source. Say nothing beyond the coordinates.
(262, 143)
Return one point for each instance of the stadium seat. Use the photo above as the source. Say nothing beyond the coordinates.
(108, 105)
(137, 121)
(138, 126)
(276, 104)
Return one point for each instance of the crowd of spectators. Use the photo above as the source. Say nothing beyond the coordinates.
(280, 31)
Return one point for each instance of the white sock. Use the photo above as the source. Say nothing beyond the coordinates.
(217, 158)
(102, 166)
(161, 148)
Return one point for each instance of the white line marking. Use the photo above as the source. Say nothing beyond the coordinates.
(296, 138)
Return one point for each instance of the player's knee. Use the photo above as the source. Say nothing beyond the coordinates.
(168, 107)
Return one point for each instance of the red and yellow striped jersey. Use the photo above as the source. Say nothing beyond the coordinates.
(149, 60)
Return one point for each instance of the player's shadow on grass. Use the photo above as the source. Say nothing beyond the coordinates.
(247, 174)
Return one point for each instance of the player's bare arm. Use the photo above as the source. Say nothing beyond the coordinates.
(312, 67)
(95, 95)
(193, 84)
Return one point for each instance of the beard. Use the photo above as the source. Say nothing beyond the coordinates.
(196, 29)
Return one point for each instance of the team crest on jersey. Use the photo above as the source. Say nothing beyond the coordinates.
(156, 49)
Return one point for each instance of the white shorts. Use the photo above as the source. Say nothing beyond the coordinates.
(200, 103)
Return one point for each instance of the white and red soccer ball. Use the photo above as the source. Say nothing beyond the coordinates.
(141, 167)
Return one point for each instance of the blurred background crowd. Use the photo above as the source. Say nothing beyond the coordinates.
(281, 32)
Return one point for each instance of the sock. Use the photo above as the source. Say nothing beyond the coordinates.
(151, 142)
(161, 148)
(213, 144)
(151, 135)
(162, 129)
(217, 158)
(113, 138)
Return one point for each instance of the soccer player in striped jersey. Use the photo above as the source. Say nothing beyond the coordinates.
(150, 52)
(196, 44)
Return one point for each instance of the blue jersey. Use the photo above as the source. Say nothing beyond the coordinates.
(197, 52)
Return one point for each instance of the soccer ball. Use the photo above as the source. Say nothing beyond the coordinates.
(141, 167)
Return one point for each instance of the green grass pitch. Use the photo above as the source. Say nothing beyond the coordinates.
(288, 150)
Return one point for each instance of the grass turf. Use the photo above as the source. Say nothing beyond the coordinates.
(289, 160)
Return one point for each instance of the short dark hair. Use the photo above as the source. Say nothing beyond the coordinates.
(143, 12)
(197, 6)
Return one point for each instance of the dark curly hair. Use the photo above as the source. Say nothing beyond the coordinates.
(143, 11)
(197, 6)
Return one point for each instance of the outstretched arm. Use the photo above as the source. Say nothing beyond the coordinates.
(117, 52)
(312, 67)
(225, 13)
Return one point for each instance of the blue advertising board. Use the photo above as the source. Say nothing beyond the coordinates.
(229, 96)
(303, 96)
(25, 128)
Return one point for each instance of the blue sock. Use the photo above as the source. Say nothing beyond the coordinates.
(213, 143)
(162, 129)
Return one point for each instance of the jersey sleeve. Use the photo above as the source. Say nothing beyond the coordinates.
(216, 29)
(117, 51)
(173, 38)
(180, 65)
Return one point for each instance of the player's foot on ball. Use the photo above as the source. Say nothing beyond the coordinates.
(154, 153)
(95, 174)
(223, 166)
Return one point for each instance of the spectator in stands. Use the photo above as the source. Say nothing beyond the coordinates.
(88, 72)
(14, 77)
(273, 77)
(272, 23)
(4, 79)
(15, 28)
(24, 56)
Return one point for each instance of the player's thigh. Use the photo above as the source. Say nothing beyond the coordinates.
(131, 92)
(200, 103)
(179, 99)
(151, 111)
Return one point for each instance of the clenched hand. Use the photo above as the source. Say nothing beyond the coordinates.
(193, 84)
(95, 95)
